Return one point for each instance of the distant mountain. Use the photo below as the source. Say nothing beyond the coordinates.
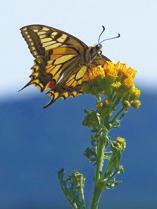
(35, 143)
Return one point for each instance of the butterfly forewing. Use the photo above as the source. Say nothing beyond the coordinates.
(55, 52)
(42, 38)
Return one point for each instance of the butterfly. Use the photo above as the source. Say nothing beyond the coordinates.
(61, 60)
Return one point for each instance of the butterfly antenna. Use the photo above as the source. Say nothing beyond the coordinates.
(103, 29)
(110, 38)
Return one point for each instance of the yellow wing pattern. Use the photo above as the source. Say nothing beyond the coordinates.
(54, 51)
(71, 88)
(57, 61)
(73, 85)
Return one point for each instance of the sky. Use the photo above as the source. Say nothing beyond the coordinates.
(134, 20)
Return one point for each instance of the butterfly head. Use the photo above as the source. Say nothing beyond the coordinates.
(98, 48)
(94, 51)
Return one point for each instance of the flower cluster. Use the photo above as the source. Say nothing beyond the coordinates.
(115, 81)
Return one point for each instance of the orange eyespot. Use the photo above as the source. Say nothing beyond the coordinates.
(51, 83)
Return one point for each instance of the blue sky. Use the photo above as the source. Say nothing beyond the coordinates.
(28, 162)
(134, 20)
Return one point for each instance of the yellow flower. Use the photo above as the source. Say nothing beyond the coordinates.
(116, 84)
(108, 65)
(125, 71)
(128, 82)
(131, 72)
(98, 71)
(110, 70)
(120, 66)
(113, 78)
(93, 73)
(113, 70)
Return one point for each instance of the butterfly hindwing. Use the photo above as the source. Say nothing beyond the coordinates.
(73, 86)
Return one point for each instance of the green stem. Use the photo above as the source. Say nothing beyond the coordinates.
(100, 157)
(96, 198)
(117, 114)
(82, 198)
(99, 167)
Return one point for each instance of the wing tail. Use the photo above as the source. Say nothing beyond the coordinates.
(28, 84)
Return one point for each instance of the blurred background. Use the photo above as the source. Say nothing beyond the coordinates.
(35, 143)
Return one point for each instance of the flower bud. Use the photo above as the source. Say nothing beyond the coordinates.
(78, 178)
(107, 107)
(136, 103)
(91, 119)
(99, 106)
(126, 104)
(107, 102)
(119, 144)
(135, 93)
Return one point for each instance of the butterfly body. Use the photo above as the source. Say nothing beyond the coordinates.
(61, 60)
